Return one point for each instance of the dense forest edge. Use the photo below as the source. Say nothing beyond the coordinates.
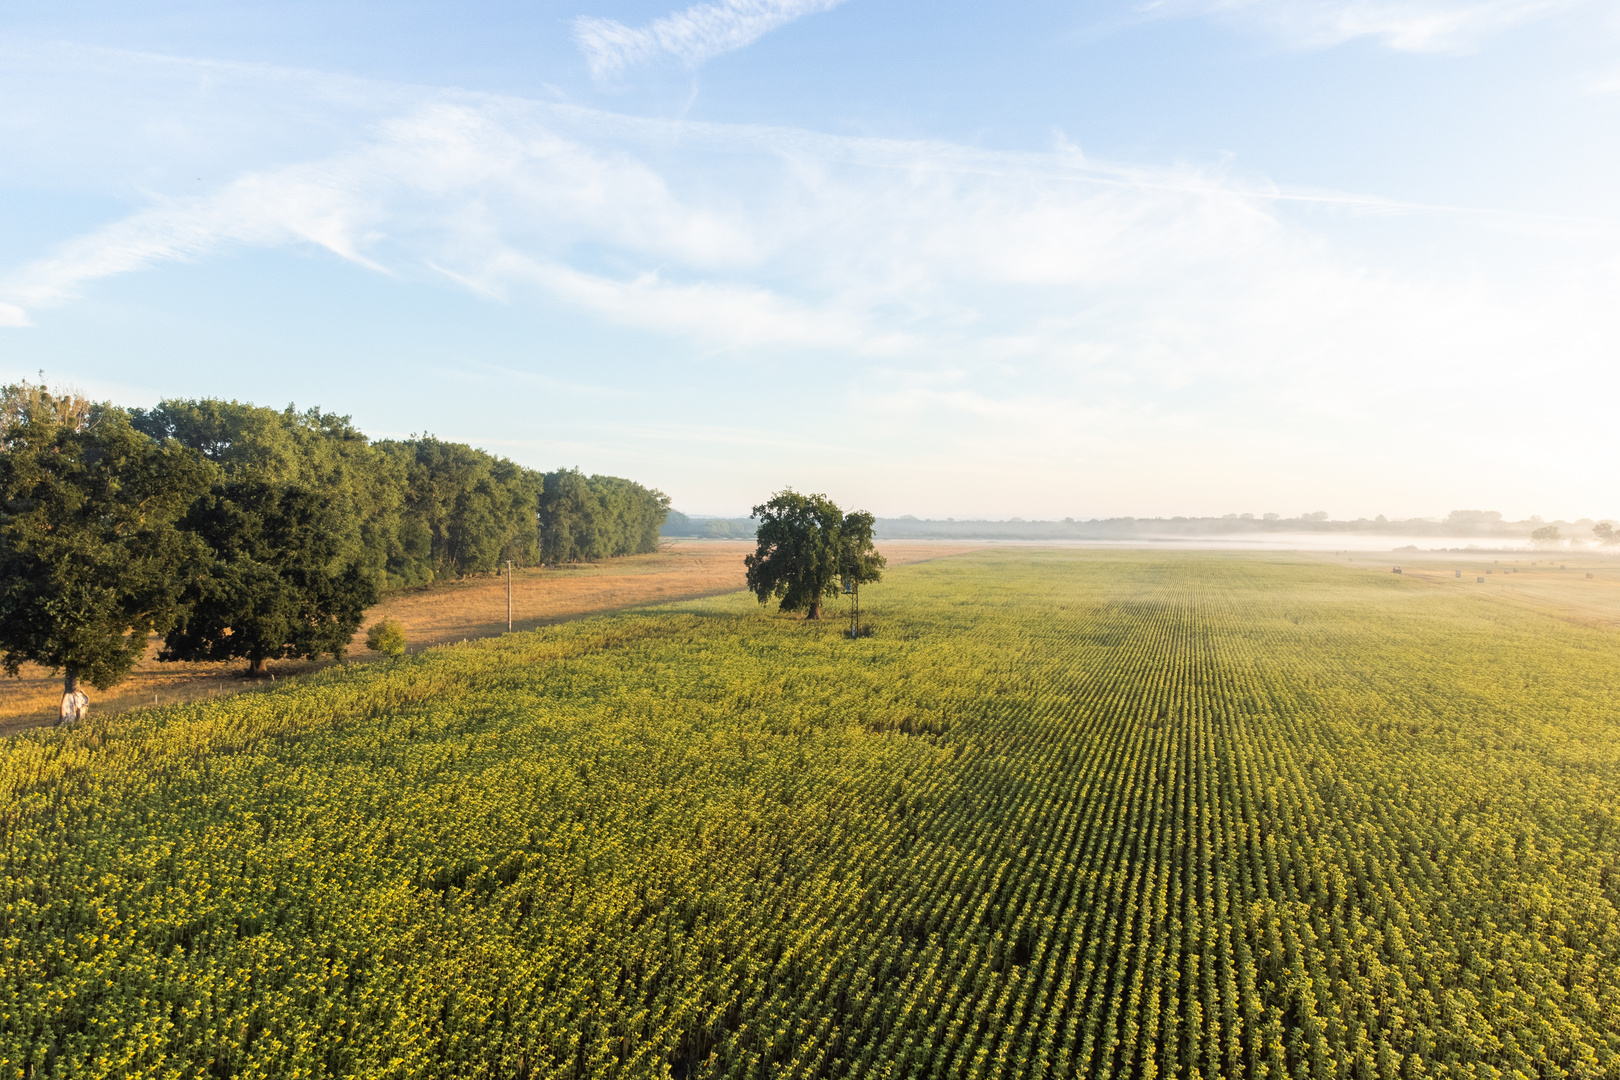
(420, 509)
(234, 531)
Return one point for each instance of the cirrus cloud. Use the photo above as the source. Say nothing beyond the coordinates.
(1008, 311)
(693, 36)
(1405, 25)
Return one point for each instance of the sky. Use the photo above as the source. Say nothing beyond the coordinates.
(1035, 259)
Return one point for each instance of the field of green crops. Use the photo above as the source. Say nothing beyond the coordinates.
(1101, 814)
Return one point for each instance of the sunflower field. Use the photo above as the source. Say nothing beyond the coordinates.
(1076, 813)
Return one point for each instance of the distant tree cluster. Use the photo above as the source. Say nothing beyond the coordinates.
(708, 528)
(241, 532)
(294, 529)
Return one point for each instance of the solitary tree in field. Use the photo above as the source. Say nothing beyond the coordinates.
(1546, 536)
(91, 560)
(804, 546)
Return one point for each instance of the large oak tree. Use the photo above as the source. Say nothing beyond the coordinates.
(297, 524)
(805, 546)
(277, 583)
(91, 559)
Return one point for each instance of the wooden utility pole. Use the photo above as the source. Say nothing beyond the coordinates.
(508, 596)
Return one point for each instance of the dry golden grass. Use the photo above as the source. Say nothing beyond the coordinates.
(440, 614)
(1552, 582)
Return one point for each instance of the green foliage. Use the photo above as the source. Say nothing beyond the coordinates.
(386, 636)
(1073, 814)
(466, 511)
(309, 450)
(585, 518)
(277, 584)
(297, 525)
(90, 557)
(107, 535)
(805, 546)
(858, 560)
(409, 511)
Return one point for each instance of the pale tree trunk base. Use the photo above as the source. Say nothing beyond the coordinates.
(75, 705)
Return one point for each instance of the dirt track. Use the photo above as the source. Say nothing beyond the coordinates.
(473, 608)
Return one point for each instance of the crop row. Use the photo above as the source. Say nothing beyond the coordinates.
(1075, 814)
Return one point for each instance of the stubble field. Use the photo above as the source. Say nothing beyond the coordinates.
(1068, 814)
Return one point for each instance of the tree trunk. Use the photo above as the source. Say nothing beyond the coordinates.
(815, 609)
(260, 666)
(75, 706)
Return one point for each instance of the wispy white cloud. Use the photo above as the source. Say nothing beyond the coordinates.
(1005, 311)
(258, 210)
(692, 36)
(1407, 25)
(451, 183)
(776, 238)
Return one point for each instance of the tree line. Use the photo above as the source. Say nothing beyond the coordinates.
(1485, 525)
(241, 532)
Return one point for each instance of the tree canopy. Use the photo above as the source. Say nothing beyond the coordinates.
(277, 584)
(465, 511)
(584, 518)
(805, 546)
(858, 560)
(297, 524)
(91, 554)
(237, 531)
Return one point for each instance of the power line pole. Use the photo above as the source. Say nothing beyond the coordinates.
(508, 596)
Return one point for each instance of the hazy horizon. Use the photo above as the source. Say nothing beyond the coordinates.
(1256, 519)
(948, 260)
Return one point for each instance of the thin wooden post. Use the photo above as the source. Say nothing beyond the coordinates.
(508, 596)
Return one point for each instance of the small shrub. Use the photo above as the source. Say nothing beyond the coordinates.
(386, 637)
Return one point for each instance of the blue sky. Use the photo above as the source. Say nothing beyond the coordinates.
(1035, 259)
